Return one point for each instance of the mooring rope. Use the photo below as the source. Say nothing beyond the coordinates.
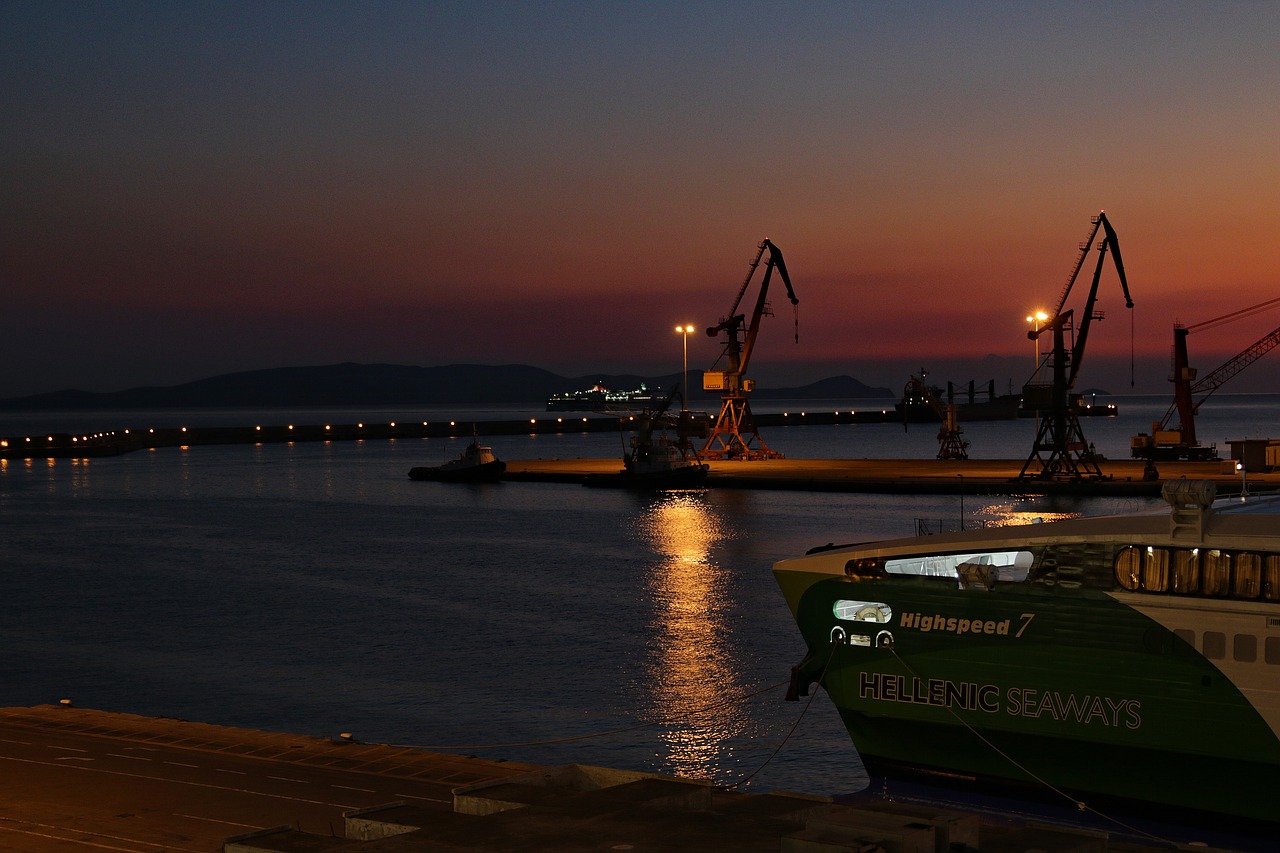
(707, 709)
(1082, 806)
(745, 779)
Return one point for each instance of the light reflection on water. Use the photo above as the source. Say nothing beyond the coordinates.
(693, 659)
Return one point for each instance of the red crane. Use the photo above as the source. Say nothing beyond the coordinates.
(734, 435)
(1189, 393)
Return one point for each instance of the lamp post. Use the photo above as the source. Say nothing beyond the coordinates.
(1244, 482)
(685, 331)
(1037, 318)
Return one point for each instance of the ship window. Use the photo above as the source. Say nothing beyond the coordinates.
(1271, 650)
(1128, 564)
(1215, 572)
(1186, 571)
(1155, 570)
(1006, 566)
(862, 611)
(1188, 638)
(863, 567)
(1271, 577)
(1214, 645)
(1247, 578)
(1245, 648)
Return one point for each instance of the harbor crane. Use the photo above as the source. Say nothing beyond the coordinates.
(734, 435)
(1189, 393)
(1060, 450)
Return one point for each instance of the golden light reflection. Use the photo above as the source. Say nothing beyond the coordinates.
(694, 664)
(1021, 512)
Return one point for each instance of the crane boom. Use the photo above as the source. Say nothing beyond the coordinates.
(1189, 393)
(726, 439)
(1059, 433)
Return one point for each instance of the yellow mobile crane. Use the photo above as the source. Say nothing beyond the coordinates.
(734, 435)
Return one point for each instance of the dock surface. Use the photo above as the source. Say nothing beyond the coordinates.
(86, 780)
(916, 476)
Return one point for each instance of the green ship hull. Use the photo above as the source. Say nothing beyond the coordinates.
(1059, 682)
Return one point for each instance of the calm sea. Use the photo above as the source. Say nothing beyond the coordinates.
(313, 588)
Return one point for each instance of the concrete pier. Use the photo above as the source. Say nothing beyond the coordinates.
(93, 780)
(916, 476)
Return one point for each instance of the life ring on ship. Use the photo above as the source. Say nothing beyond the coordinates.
(870, 613)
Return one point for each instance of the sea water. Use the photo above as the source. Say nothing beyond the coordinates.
(314, 588)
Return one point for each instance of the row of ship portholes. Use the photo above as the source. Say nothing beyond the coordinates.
(1199, 571)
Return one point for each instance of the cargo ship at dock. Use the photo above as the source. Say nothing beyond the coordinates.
(1125, 662)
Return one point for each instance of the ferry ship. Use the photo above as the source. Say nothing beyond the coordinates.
(598, 398)
(1126, 661)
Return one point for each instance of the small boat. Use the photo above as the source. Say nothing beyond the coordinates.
(1128, 662)
(659, 462)
(476, 464)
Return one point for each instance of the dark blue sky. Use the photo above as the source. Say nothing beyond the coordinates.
(190, 189)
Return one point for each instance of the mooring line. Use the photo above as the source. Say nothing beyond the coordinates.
(813, 694)
(1080, 805)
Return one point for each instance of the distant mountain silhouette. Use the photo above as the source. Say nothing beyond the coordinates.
(352, 384)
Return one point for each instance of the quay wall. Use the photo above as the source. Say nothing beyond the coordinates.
(112, 442)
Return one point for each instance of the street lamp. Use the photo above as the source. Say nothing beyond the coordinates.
(1037, 318)
(684, 395)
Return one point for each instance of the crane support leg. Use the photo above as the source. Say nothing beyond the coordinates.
(734, 435)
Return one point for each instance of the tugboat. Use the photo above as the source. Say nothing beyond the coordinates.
(476, 464)
(660, 462)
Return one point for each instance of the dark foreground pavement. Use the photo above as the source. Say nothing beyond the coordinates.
(82, 780)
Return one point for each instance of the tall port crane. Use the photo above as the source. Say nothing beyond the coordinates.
(734, 435)
(1189, 393)
(1060, 450)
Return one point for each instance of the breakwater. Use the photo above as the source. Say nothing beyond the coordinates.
(112, 442)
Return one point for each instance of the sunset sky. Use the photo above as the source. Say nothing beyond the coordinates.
(191, 189)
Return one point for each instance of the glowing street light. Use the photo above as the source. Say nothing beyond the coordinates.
(684, 394)
(1037, 318)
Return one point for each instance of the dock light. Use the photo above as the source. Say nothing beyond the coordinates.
(51, 438)
(393, 424)
(153, 429)
(258, 428)
(290, 426)
(184, 429)
(4, 442)
(453, 423)
(584, 420)
(685, 331)
(28, 438)
(533, 420)
(424, 423)
(1037, 317)
(326, 426)
(559, 420)
(65, 702)
(359, 426)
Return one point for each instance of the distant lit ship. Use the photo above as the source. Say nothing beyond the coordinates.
(598, 398)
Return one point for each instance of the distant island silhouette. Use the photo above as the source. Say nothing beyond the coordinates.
(351, 384)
